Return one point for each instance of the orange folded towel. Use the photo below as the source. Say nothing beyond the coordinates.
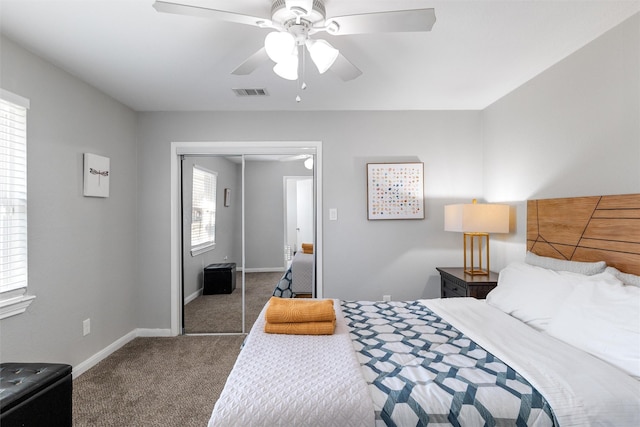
(298, 310)
(301, 328)
(307, 248)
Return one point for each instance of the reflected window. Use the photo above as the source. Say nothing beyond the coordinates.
(203, 217)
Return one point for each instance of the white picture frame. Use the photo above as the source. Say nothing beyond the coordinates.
(96, 175)
(395, 191)
(227, 197)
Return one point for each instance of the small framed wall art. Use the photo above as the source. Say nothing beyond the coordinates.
(96, 175)
(227, 197)
(395, 190)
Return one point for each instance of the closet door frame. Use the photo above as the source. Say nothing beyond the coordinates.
(234, 148)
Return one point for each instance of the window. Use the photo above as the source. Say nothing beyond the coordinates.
(203, 216)
(13, 204)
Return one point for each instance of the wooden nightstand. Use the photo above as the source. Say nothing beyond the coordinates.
(454, 282)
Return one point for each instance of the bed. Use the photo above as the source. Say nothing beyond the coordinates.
(531, 354)
(302, 273)
(298, 280)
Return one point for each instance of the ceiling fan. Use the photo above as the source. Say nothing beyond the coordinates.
(295, 22)
(306, 158)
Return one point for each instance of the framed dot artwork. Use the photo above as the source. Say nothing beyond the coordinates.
(395, 190)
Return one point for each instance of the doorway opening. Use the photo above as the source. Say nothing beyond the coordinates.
(299, 238)
(298, 197)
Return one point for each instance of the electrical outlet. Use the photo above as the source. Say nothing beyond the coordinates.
(86, 327)
(386, 297)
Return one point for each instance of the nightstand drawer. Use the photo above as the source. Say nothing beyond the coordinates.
(451, 289)
(456, 283)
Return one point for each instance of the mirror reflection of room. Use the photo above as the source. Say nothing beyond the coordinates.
(278, 221)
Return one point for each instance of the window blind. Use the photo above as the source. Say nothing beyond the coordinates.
(203, 218)
(13, 195)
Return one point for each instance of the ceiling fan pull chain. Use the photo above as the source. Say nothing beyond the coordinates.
(303, 85)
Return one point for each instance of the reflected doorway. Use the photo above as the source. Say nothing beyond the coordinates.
(298, 195)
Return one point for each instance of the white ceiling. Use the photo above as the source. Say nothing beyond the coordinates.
(477, 52)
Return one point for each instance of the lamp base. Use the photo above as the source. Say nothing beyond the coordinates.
(476, 272)
(475, 239)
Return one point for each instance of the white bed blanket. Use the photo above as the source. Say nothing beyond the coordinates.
(295, 380)
(582, 389)
(302, 273)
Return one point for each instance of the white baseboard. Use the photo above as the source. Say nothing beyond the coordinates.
(153, 332)
(83, 367)
(264, 270)
(193, 296)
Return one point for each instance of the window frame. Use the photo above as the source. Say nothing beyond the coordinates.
(203, 246)
(14, 299)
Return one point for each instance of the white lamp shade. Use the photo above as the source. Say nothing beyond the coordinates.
(288, 67)
(322, 54)
(279, 46)
(477, 218)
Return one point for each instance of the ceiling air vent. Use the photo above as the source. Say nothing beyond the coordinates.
(250, 92)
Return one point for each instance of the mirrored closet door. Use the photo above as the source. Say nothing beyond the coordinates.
(213, 286)
(227, 283)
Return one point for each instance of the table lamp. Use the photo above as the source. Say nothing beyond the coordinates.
(476, 221)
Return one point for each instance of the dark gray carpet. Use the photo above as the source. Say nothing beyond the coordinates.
(156, 382)
(171, 381)
(222, 313)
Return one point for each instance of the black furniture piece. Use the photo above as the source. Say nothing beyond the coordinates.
(454, 282)
(219, 278)
(35, 395)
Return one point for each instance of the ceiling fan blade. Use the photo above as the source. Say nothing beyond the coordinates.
(251, 63)
(295, 157)
(185, 7)
(384, 22)
(345, 69)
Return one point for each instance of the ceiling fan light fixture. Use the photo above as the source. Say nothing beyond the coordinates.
(288, 67)
(322, 54)
(279, 45)
(333, 27)
(309, 163)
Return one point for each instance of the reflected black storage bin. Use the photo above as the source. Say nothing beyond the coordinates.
(219, 278)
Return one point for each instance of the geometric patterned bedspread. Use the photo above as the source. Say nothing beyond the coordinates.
(283, 288)
(422, 371)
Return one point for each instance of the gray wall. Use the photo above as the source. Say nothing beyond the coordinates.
(362, 259)
(572, 131)
(228, 219)
(264, 214)
(83, 253)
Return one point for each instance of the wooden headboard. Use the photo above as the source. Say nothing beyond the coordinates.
(598, 228)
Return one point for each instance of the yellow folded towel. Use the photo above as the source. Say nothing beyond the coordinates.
(301, 328)
(294, 310)
(307, 248)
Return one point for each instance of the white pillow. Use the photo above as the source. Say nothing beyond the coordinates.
(602, 317)
(588, 268)
(532, 294)
(626, 278)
